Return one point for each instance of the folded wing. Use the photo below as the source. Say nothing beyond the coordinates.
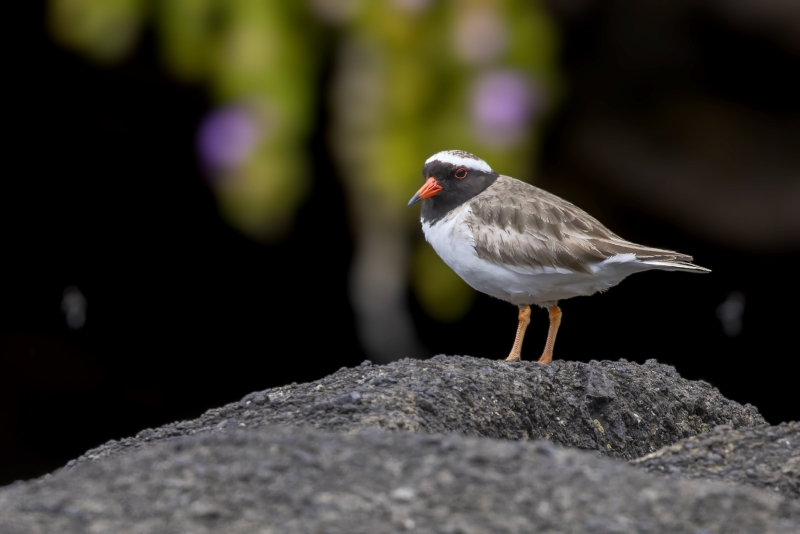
(531, 231)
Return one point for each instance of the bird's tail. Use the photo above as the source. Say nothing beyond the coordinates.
(654, 258)
(675, 265)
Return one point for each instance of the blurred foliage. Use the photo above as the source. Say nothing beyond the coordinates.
(412, 77)
(104, 30)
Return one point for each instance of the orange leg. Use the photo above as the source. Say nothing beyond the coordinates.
(555, 321)
(524, 321)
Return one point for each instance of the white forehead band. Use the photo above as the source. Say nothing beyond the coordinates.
(454, 158)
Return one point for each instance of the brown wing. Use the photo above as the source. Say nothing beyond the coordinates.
(519, 225)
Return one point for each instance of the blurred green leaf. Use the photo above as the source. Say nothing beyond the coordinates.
(260, 197)
(188, 31)
(104, 30)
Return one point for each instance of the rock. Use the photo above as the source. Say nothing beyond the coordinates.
(290, 479)
(621, 409)
(762, 456)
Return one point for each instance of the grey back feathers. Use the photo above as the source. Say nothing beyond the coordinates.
(516, 224)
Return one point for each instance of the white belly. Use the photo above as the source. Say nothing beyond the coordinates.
(452, 240)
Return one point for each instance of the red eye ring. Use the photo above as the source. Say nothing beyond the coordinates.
(460, 173)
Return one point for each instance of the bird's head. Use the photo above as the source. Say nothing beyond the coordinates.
(451, 178)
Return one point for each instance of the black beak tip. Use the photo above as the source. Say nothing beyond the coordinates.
(416, 198)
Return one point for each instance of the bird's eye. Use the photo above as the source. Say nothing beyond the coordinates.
(461, 173)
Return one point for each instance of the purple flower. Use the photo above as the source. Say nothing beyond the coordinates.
(226, 137)
(503, 104)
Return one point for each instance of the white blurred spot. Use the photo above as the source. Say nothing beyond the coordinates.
(730, 313)
(403, 494)
(73, 304)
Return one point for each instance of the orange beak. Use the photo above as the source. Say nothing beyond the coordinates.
(429, 189)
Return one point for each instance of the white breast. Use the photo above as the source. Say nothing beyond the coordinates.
(452, 240)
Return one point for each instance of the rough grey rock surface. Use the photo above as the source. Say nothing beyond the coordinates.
(762, 456)
(290, 479)
(622, 409)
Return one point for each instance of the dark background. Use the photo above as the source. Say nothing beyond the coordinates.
(101, 190)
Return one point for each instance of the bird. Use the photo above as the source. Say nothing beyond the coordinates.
(519, 243)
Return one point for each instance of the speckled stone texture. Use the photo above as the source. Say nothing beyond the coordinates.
(621, 409)
(290, 480)
(762, 456)
(446, 445)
